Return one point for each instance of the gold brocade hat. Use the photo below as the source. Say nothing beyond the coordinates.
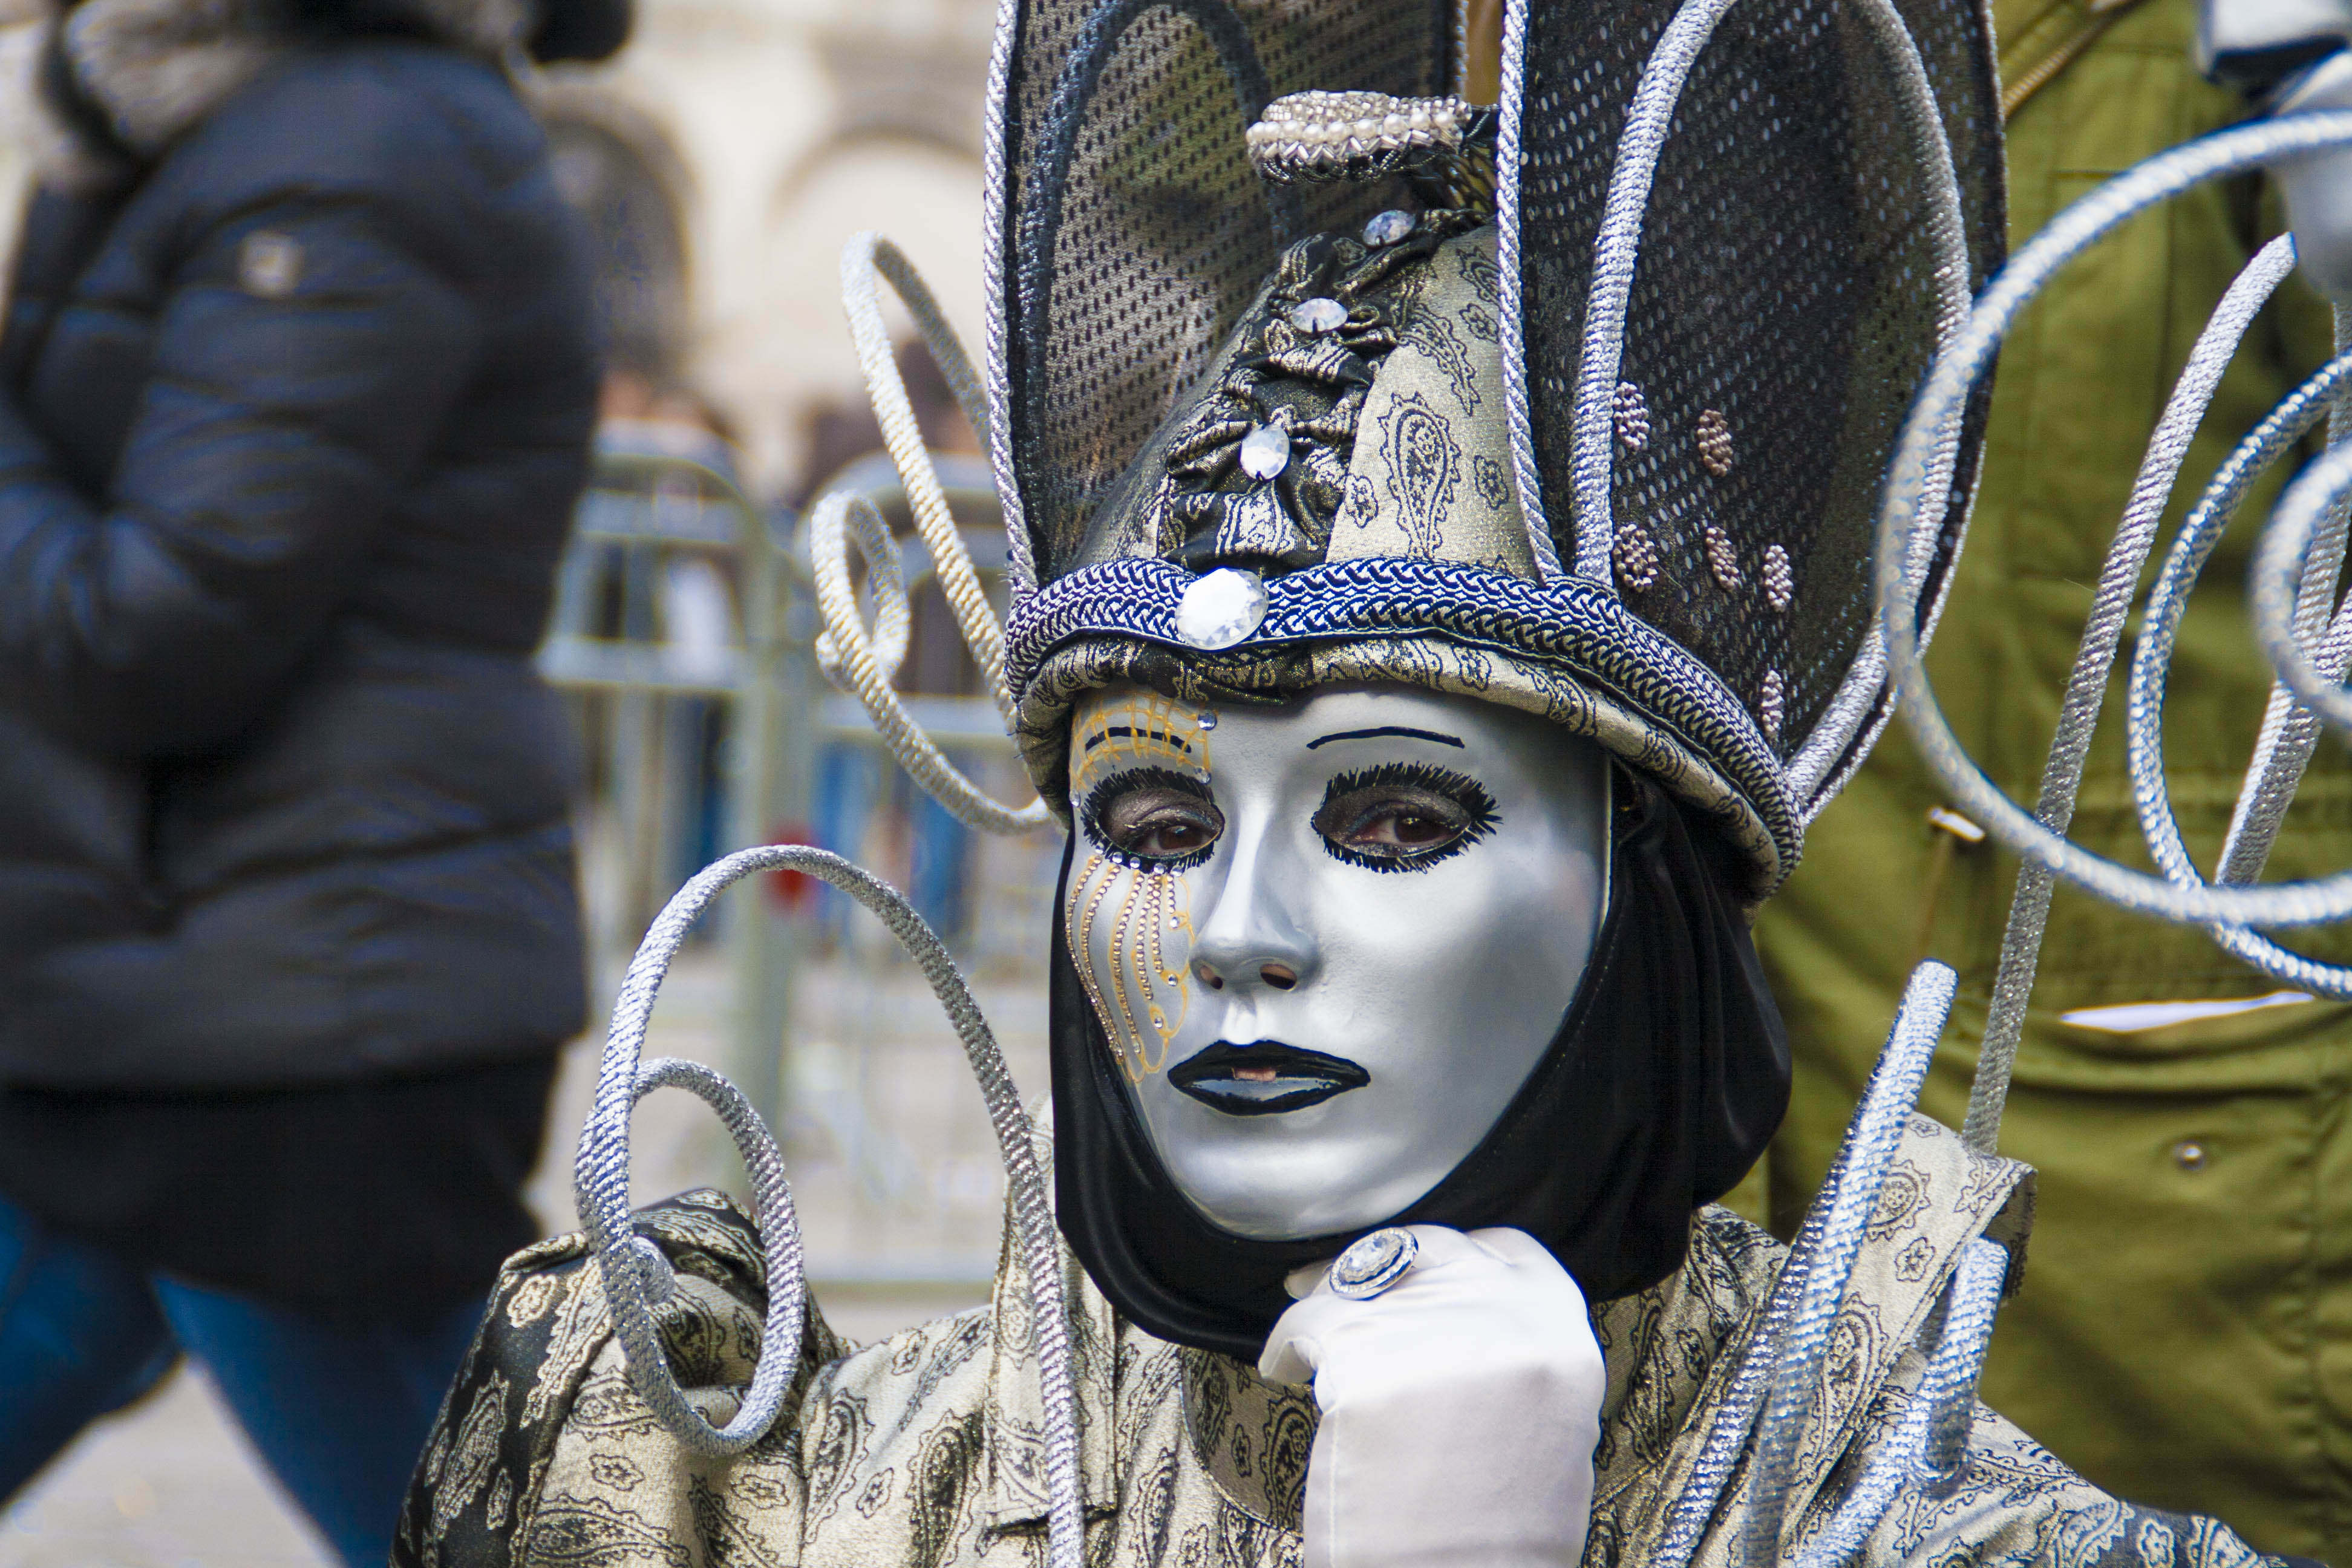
(1579, 403)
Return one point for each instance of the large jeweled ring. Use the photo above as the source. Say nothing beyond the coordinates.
(1374, 1263)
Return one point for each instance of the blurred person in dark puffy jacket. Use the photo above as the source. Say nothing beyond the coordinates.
(296, 385)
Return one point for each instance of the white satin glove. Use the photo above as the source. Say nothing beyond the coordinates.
(1459, 1410)
(2318, 188)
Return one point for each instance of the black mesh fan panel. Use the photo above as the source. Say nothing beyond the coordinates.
(1782, 314)
(1137, 228)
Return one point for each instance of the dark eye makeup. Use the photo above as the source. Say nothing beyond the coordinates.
(1154, 819)
(1403, 817)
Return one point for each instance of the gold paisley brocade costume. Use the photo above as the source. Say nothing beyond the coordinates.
(924, 1450)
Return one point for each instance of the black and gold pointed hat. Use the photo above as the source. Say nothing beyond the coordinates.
(1306, 370)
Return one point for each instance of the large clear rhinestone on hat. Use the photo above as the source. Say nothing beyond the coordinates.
(1220, 609)
(1319, 315)
(1266, 451)
(1389, 227)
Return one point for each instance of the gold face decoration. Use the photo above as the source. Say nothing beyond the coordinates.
(1137, 912)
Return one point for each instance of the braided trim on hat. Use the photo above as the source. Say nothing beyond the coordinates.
(1567, 649)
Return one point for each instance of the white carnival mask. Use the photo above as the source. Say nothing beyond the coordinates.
(1330, 940)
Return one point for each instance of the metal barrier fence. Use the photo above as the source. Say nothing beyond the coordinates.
(683, 629)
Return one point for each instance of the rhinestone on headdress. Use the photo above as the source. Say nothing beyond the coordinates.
(1318, 316)
(1722, 559)
(1266, 451)
(1391, 227)
(1771, 705)
(1637, 556)
(1220, 609)
(1632, 417)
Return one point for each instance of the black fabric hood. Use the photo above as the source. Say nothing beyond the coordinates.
(1668, 1076)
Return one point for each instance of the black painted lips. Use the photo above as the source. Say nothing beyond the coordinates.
(1301, 1078)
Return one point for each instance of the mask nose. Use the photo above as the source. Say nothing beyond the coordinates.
(1251, 942)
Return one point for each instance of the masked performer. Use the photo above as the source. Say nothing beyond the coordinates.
(1435, 629)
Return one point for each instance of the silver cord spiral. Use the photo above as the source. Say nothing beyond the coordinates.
(2086, 684)
(632, 1269)
(863, 663)
(1954, 377)
(1780, 1365)
(2144, 702)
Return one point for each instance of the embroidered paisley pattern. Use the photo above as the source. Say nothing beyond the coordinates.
(921, 1451)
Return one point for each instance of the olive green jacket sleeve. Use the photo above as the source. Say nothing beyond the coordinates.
(2182, 1337)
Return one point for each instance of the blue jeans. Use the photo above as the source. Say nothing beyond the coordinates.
(340, 1409)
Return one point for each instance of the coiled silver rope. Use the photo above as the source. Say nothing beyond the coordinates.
(2201, 531)
(2291, 731)
(996, 198)
(1781, 1366)
(2276, 582)
(1876, 1130)
(1949, 383)
(632, 1269)
(1956, 372)
(1944, 1401)
(848, 656)
(2086, 684)
(1518, 417)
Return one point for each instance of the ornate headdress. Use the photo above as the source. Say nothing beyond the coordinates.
(1306, 370)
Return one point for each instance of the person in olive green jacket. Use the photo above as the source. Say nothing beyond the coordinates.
(2184, 1332)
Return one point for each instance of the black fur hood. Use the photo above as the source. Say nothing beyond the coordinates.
(122, 79)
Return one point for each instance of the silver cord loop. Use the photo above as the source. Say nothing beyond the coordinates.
(2290, 731)
(2277, 588)
(885, 586)
(1956, 372)
(625, 1262)
(601, 1183)
(866, 261)
(2086, 684)
(2275, 437)
(850, 659)
(843, 651)
(1876, 1133)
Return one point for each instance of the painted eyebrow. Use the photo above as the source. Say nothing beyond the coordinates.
(1386, 729)
(1145, 732)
